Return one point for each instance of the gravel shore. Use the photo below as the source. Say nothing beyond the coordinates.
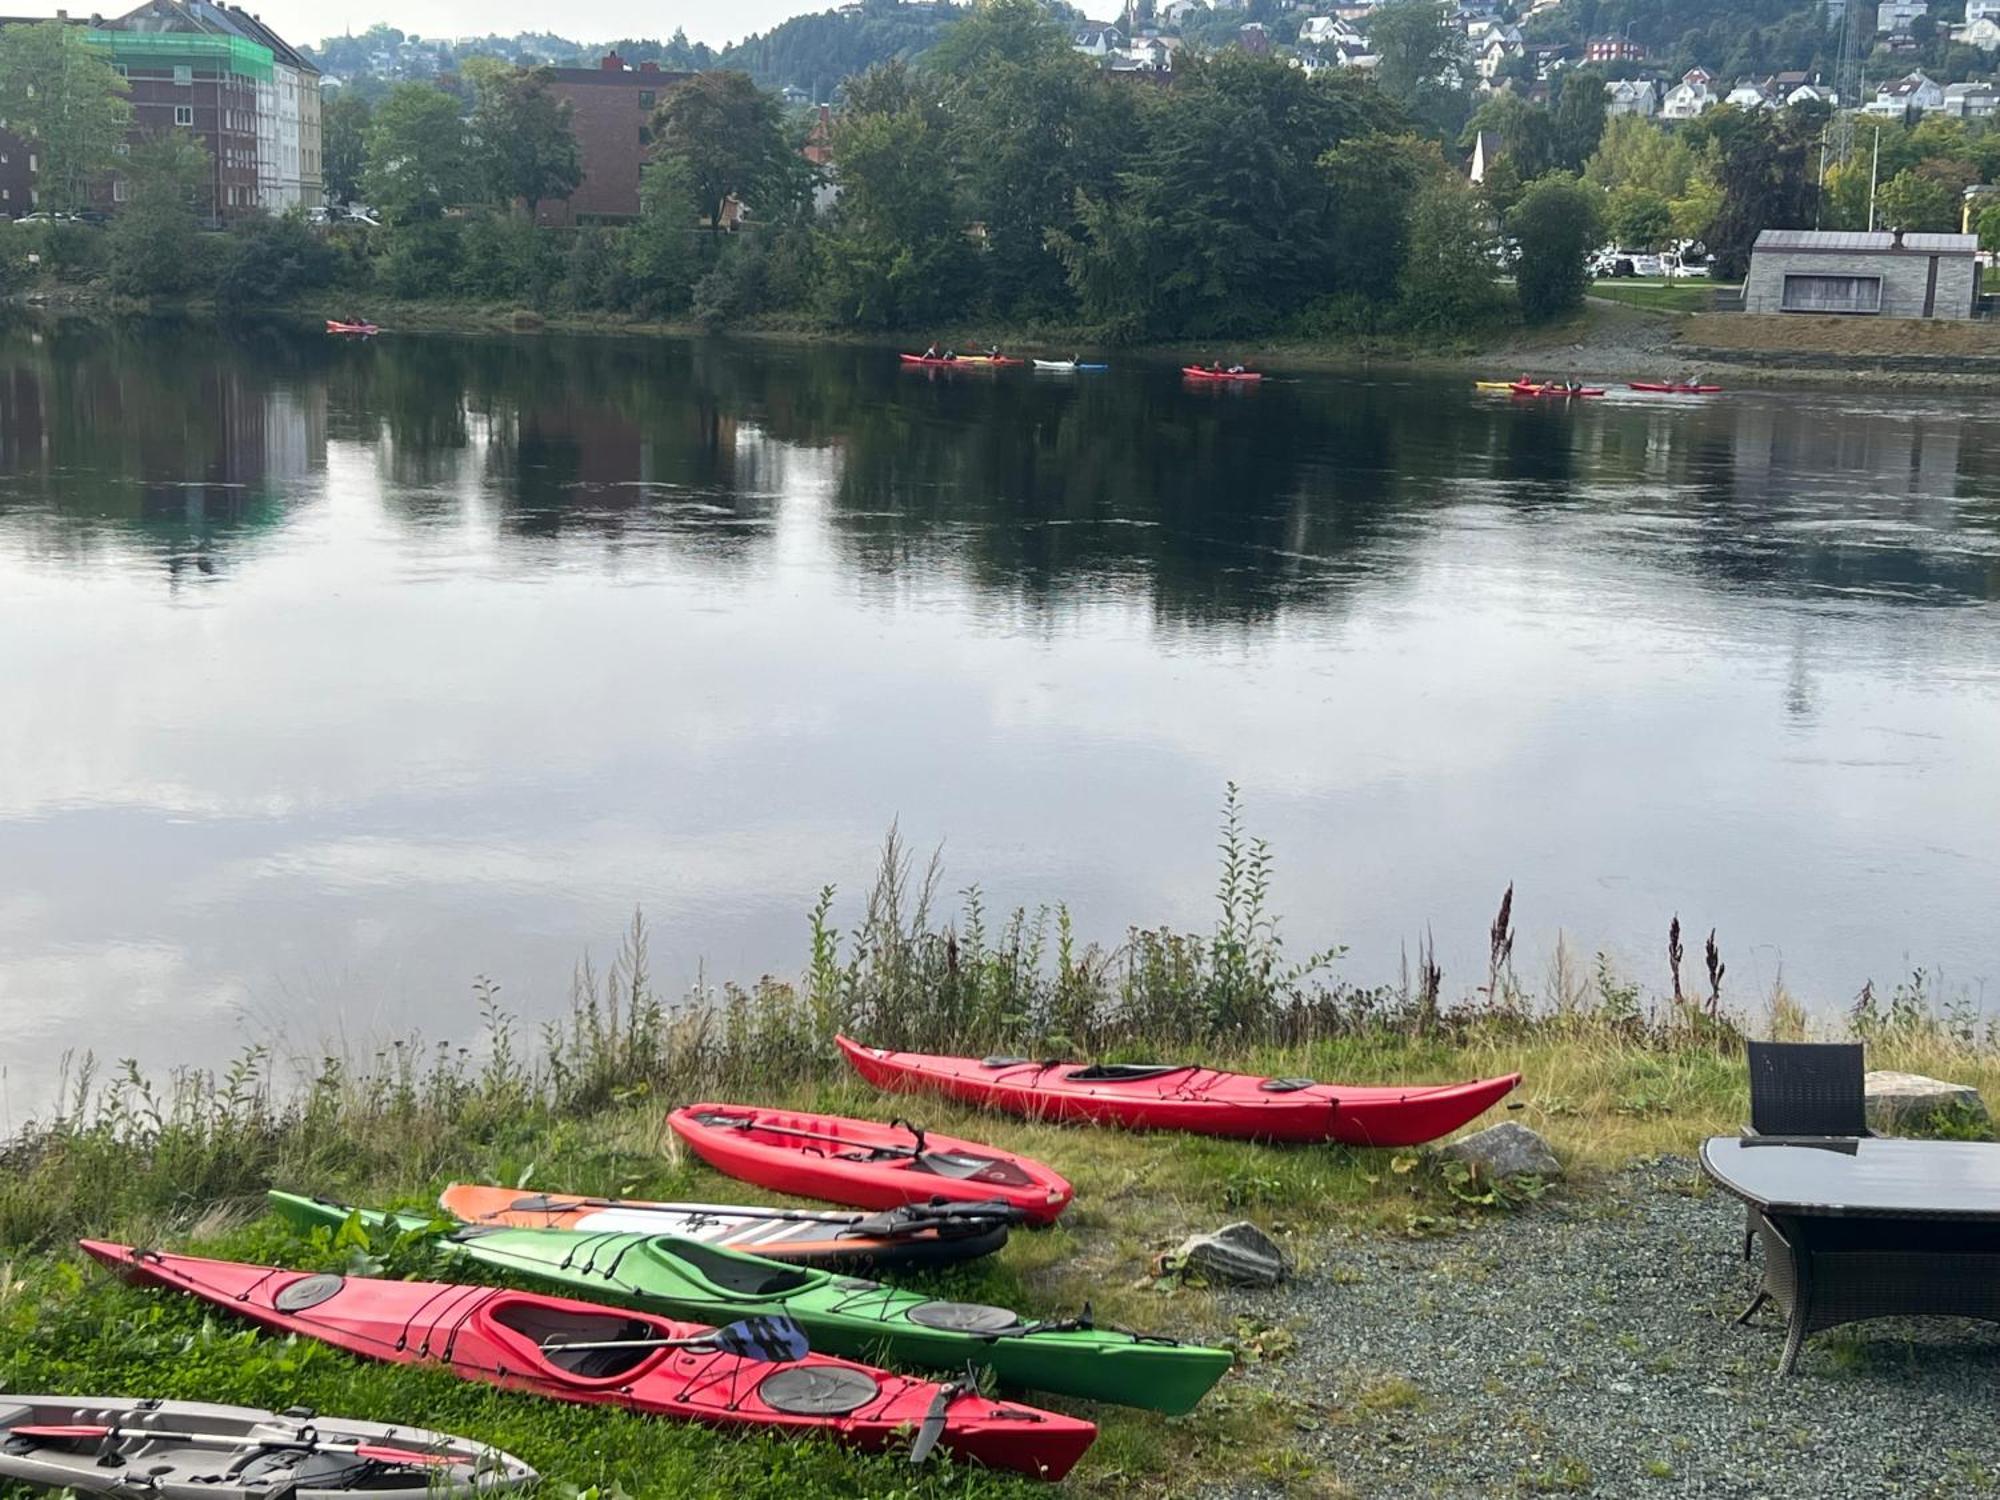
(1586, 1346)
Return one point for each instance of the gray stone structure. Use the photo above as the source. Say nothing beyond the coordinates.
(1885, 273)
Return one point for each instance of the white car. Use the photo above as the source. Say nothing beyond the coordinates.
(1648, 265)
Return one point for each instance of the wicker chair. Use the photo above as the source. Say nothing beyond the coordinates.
(1804, 1088)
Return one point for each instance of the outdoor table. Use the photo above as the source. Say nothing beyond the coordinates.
(1867, 1228)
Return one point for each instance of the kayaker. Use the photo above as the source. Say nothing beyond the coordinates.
(950, 354)
(992, 351)
(1236, 369)
(932, 352)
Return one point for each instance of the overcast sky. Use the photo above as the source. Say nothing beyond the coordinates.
(712, 21)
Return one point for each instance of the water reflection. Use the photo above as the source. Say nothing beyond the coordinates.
(499, 637)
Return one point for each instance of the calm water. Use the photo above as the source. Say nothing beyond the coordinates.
(335, 676)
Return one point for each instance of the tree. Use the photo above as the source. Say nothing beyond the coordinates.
(525, 148)
(1423, 62)
(58, 90)
(1375, 178)
(1762, 163)
(663, 259)
(167, 187)
(1915, 201)
(1988, 225)
(729, 136)
(343, 144)
(1556, 225)
(1639, 218)
(1634, 152)
(1526, 132)
(417, 158)
(1447, 279)
(1577, 117)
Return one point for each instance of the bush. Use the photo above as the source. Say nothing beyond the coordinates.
(423, 260)
(505, 259)
(594, 274)
(733, 288)
(267, 260)
(1557, 223)
(1447, 280)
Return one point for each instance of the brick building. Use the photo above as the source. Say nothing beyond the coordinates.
(611, 111)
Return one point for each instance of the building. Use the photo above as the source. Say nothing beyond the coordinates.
(1983, 33)
(1612, 49)
(1752, 93)
(1886, 274)
(1690, 97)
(611, 112)
(1485, 152)
(1632, 96)
(290, 176)
(1097, 41)
(1893, 17)
(1971, 101)
(1912, 94)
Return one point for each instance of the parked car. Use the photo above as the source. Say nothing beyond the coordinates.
(1648, 265)
(319, 214)
(359, 216)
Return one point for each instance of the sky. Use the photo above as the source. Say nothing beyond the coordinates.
(711, 21)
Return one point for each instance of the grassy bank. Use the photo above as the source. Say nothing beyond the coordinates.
(1612, 1074)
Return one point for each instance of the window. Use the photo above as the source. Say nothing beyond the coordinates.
(34, 162)
(183, 74)
(645, 98)
(121, 70)
(1832, 294)
(121, 190)
(184, 114)
(123, 148)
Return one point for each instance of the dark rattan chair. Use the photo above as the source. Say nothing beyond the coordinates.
(1804, 1088)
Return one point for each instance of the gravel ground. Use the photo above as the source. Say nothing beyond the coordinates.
(1585, 1345)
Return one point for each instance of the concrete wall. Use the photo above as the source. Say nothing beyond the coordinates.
(1905, 275)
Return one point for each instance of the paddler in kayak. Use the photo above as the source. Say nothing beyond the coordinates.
(932, 352)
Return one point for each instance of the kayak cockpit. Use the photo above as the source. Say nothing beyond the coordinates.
(738, 1275)
(550, 1328)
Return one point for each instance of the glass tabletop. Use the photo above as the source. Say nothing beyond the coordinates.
(1838, 1175)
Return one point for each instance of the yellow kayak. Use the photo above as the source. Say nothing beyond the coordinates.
(1493, 385)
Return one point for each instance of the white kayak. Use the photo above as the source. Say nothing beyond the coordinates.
(1067, 365)
(187, 1450)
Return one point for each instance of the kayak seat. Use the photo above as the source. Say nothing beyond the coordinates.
(743, 1275)
(1125, 1072)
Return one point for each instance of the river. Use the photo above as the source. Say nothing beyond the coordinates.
(336, 675)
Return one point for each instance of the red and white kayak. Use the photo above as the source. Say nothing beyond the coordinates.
(1196, 372)
(984, 361)
(1557, 392)
(915, 1235)
(1667, 388)
(864, 1163)
(1187, 1097)
(363, 329)
(517, 1340)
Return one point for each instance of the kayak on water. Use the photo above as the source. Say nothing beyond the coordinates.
(1196, 372)
(582, 1352)
(1493, 385)
(864, 1163)
(920, 1235)
(1672, 388)
(1187, 1097)
(1532, 388)
(840, 1314)
(334, 326)
(989, 361)
(178, 1450)
(1066, 365)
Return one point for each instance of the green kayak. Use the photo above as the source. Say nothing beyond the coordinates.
(841, 1314)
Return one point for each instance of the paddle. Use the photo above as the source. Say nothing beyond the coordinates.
(744, 1122)
(943, 1163)
(902, 1221)
(761, 1340)
(940, 1413)
(372, 1451)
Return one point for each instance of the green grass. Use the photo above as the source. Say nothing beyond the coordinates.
(1611, 1074)
(1680, 296)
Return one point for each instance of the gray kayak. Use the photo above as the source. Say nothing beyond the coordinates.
(178, 1450)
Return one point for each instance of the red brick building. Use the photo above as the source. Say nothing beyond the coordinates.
(1601, 49)
(611, 112)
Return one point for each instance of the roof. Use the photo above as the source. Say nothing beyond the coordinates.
(1878, 242)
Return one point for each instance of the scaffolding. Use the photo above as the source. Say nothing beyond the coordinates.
(212, 52)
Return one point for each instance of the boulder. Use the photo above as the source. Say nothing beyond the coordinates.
(1239, 1254)
(1901, 1102)
(1509, 1149)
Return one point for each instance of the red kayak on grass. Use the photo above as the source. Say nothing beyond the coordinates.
(1188, 1097)
(1196, 372)
(1668, 388)
(1531, 388)
(581, 1352)
(864, 1163)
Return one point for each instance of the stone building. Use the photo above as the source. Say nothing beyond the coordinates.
(1887, 273)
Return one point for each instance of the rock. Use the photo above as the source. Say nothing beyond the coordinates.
(1509, 1149)
(1239, 1254)
(1900, 1102)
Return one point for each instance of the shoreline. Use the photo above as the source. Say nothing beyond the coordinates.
(1606, 340)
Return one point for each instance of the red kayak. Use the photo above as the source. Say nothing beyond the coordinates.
(361, 328)
(513, 1339)
(864, 1163)
(1202, 1100)
(1668, 389)
(1196, 372)
(984, 361)
(1530, 389)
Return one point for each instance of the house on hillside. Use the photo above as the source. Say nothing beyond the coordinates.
(1612, 49)
(1324, 31)
(1875, 274)
(1176, 12)
(1814, 93)
(1491, 55)
(1971, 101)
(1893, 17)
(1752, 93)
(1692, 96)
(1254, 39)
(1632, 96)
(1912, 94)
(1983, 33)
(1097, 42)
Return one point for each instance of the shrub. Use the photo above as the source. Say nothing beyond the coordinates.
(267, 260)
(1557, 223)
